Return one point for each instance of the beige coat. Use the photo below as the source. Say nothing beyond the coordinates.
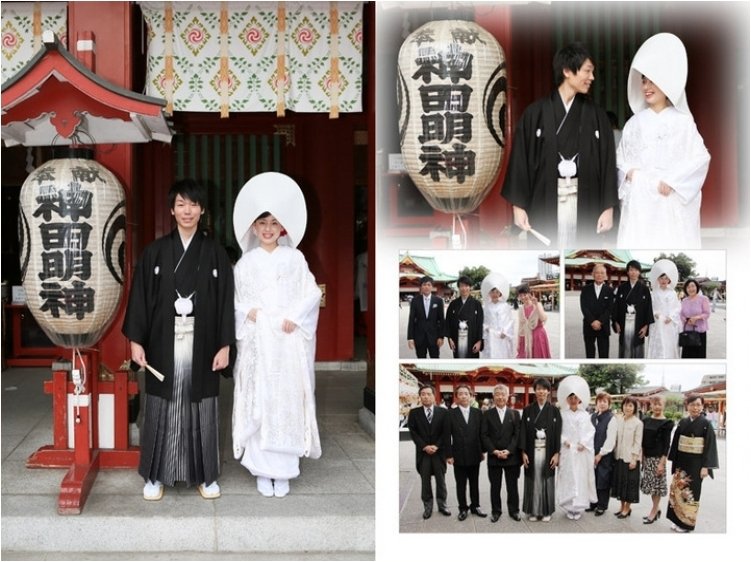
(628, 439)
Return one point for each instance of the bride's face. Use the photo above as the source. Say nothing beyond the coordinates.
(663, 281)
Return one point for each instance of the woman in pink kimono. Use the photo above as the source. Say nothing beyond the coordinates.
(533, 339)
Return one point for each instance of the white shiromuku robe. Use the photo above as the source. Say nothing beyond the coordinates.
(663, 338)
(273, 416)
(498, 319)
(664, 146)
(575, 484)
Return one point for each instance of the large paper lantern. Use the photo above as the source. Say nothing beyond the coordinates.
(73, 247)
(452, 112)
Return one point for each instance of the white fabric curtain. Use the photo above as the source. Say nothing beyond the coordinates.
(272, 56)
(23, 24)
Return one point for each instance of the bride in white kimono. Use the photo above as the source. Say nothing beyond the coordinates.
(276, 315)
(575, 480)
(662, 161)
(499, 319)
(666, 308)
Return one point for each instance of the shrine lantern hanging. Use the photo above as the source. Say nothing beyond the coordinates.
(73, 247)
(452, 112)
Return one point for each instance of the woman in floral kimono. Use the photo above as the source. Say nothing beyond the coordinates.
(694, 455)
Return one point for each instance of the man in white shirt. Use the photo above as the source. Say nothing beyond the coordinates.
(465, 452)
(429, 427)
(425, 326)
(500, 437)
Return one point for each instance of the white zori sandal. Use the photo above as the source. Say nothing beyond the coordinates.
(210, 492)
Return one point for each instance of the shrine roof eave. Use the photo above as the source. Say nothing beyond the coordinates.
(418, 276)
(573, 262)
(54, 96)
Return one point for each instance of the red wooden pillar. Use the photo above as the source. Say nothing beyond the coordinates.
(110, 24)
(495, 212)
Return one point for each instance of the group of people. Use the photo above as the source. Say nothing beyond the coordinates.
(474, 329)
(565, 177)
(655, 324)
(571, 458)
(187, 309)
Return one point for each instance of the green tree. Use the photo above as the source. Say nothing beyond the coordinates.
(615, 378)
(684, 264)
(476, 274)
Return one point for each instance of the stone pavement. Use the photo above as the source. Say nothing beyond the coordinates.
(712, 512)
(329, 514)
(552, 326)
(716, 335)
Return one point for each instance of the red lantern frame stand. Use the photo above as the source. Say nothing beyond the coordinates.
(85, 460)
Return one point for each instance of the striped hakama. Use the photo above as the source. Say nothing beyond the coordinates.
(180, 438)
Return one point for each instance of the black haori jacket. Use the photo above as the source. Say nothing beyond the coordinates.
(150, 316)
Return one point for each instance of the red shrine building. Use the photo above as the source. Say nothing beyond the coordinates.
(240, 89)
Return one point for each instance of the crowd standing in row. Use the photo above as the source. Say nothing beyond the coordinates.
(570, 458)
(652, 324)
(477, 330)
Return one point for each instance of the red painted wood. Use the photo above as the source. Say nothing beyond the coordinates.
(59, 389)
(76, 485)
(112, 23)
(50, 456)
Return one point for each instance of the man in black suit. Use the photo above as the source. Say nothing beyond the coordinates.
(500, 436)
(596, 302)
(429, 427)
(425, 325)
(465, 452)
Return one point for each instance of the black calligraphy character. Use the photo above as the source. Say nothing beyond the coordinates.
(458, 126)
(425, 35)
(460, 163)
(466, 35)
(61, 235)
(444, 97)
(427, 66)
(433, 159)
(75, 202)
(432, 128)
(79, 300)
(66, 264)
(458, 63)
(86, 174)
(53, 298)
(44, 174)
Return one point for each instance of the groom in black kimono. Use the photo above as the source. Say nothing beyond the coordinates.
(464, 316)
(561, 178)
(633, 314)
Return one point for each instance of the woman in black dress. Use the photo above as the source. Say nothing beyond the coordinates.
(694, 455)
(655, 446)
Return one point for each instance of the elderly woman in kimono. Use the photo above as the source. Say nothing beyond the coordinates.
(276, 314)
(694, 455)
(575, 484)
(498, 327)
(662, 161)
(666, 309)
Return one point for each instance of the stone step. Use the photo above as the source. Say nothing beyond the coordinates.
(183, 521)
